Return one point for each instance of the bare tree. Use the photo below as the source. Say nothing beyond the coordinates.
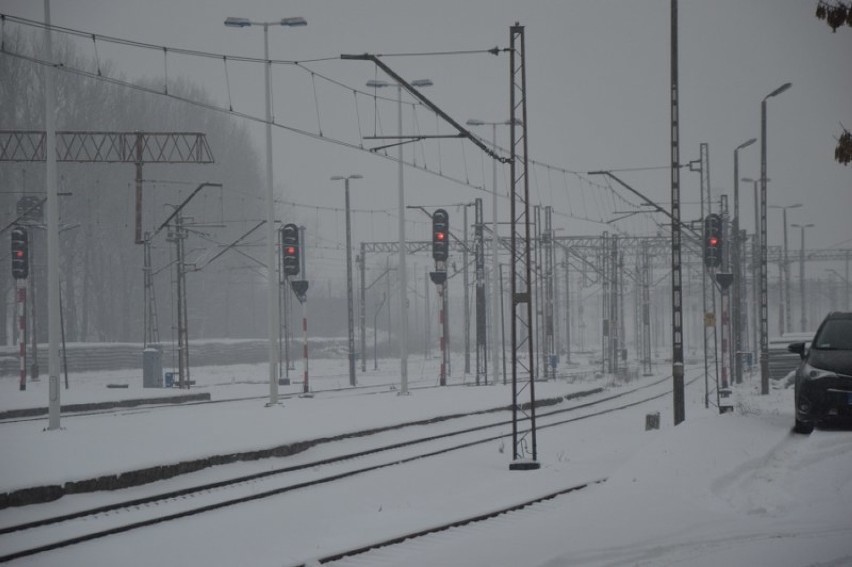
(100, 265)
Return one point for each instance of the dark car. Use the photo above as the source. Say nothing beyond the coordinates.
(824, 377)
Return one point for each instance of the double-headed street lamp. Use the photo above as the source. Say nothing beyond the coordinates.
(803, 322)
(349, 298)
(495, 296)
(271, 264)
(764, 280)
(737, 262)
(403, 283)
(784, 308)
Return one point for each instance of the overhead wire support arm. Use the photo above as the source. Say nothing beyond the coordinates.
(407, 140)
(233, 244)
(462, 131)
(182, 205)
(26, 212)
(647, 201)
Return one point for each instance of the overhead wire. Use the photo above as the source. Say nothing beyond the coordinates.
(299, 64)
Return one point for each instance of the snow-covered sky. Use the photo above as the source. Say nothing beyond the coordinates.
(733, 489)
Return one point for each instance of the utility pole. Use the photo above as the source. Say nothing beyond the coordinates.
(466, 285)
(479, 279)
(54, 406)
(547, 307)
(151, 336)
(567, 309)
(764, 248)
(362, 266)
(736, 255)
(349, 291)
(525, 447)
(677, 295)
(177, 236)
(723, 279)
(34, 371)
(613, 308)
(646, 310)
(803, 322)
(606, 298)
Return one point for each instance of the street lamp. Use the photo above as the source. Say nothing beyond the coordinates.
(495, 305)
(349, 300)
(271, 265)
(784, 308)
(738, 279)
(803, 322)
(764, 283)
(403, 299)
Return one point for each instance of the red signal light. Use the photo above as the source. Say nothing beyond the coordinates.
(439, 235)
(19, 253)
(291, 250)
(714, 241)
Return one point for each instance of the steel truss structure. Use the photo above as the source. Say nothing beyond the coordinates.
(137, 148)
(524, 446)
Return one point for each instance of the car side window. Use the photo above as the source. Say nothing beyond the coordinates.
(835, 335)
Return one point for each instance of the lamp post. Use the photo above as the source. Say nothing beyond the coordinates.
(737, 263)
(54, 309)
(493, 288)
(803, 322)
(349, 299)
(403, 283)
(271, 266)
(764, 283)
(784, 308)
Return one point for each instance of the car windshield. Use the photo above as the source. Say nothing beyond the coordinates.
(835, 334)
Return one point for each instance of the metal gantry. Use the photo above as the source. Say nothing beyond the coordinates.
(137, 148)
(599, 261)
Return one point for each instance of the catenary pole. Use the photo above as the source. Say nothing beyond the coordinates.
(677, 306)
(52, 233)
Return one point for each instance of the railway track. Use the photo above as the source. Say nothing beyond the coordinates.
(452, 525)
(68, 529)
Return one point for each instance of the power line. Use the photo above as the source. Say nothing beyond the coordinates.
(297, 64)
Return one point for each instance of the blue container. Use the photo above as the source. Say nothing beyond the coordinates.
(170, 380)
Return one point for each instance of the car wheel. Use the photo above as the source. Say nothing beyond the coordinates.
(803, 427)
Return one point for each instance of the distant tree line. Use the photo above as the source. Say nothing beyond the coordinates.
(100, 265)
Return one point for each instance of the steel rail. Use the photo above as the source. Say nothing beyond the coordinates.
(314, 482)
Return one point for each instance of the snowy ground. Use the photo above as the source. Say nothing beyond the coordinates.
(734, 489)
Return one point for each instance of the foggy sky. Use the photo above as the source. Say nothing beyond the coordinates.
(597, 88)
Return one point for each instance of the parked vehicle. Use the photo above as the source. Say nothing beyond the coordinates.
(824, 376)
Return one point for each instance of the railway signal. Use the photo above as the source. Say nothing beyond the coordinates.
(290, 249)
(20, 253)
(440, 235)
(713, 241)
